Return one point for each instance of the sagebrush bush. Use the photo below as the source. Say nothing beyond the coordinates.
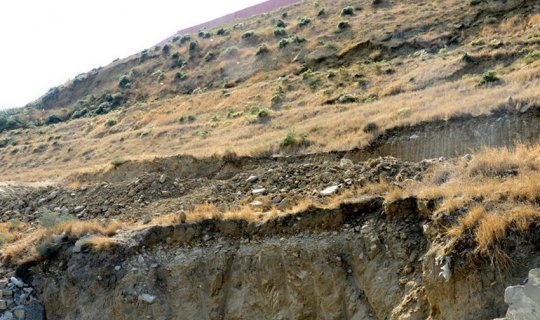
(262, 49)
(281, 24)
(280, 32)
(343, 25)
(304, 22)
(248, 35)
(347, 11)
(124, 81)
(283, 43)
(293, 138)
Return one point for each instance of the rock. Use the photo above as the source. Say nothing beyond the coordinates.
(414, 137)
(16, 282)
(524, 300)
(19, 313)
(329, 191)
(147, 298)
(256, 203)
(7, 316)
(78, 209)
(3, 304)
(259, 191)
(162, 179)
(345, 163)
(400, 208)
(252, 179)
(147, 219)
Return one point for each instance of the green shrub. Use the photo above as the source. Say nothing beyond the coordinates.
(166, 50)
(193, 46)
(47, 249)
(263, 113)
(347, 11)
(117, 162)
(180, 76)
(204, 34)
(185, 38)
(293, 138)
(281, 24)
(280, 32)
(143, 56)
(248, 34)
(343, 25)
(478, 42)
(209, 56)
(488, 77)
(370, 127)
(51, 219)
(467, 58)
(230, 52)
(124, 81)
(177, 62)
(110, 122)
(531, 57)
(262, 49)
(283, 43)
(304, 22)
(321, 13)
(297, 39)
(222, 32)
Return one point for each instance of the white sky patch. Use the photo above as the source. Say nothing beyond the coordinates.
(45, 43)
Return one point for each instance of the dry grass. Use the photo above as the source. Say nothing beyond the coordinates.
(422, 83)
(24, 247)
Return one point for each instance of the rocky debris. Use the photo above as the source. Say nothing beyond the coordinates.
(147, 298)
(524, 300)
(284, 182)
(18, 301)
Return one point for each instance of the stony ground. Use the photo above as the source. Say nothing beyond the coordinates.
(266, 184)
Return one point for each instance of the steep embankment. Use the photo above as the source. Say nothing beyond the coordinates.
(360, 260)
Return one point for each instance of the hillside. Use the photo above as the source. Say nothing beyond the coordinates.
(324, 160)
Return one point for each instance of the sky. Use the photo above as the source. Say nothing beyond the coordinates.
(44, 43)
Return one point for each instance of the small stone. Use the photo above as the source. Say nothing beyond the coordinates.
(252, 179)
(117, 268)
(329, 191)
(147, 298)
(19, 313)
(140, 259)
(17, 282)
(146, 219)
(7, 293)
(414, 137)
(345, 162)
(162, 179)
(259, 191)
(3, 304)
(256, 203)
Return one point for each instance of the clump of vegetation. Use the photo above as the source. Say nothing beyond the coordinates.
(347, 98)
(50, 219)
(193, 46)
(222, 32)
(342, 25)
(297, 39)
(531, 57)
(478, 42)
(185, 38)
(293, 138)
(488, 77)
(230, 52)
(166, 50)
(177, 61)
(280, 32)
(124, 81)
(281, 24)
(210, 55)
(111, 122)
(467, 58)
(180, 76)
(302, 22)
(347, 11)
(248, 35)
(283, 43)
(204, 34)
(262, 50)
(143, 56)
(117, 162)
(188, 118)
(371, 127)
(321, 13)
